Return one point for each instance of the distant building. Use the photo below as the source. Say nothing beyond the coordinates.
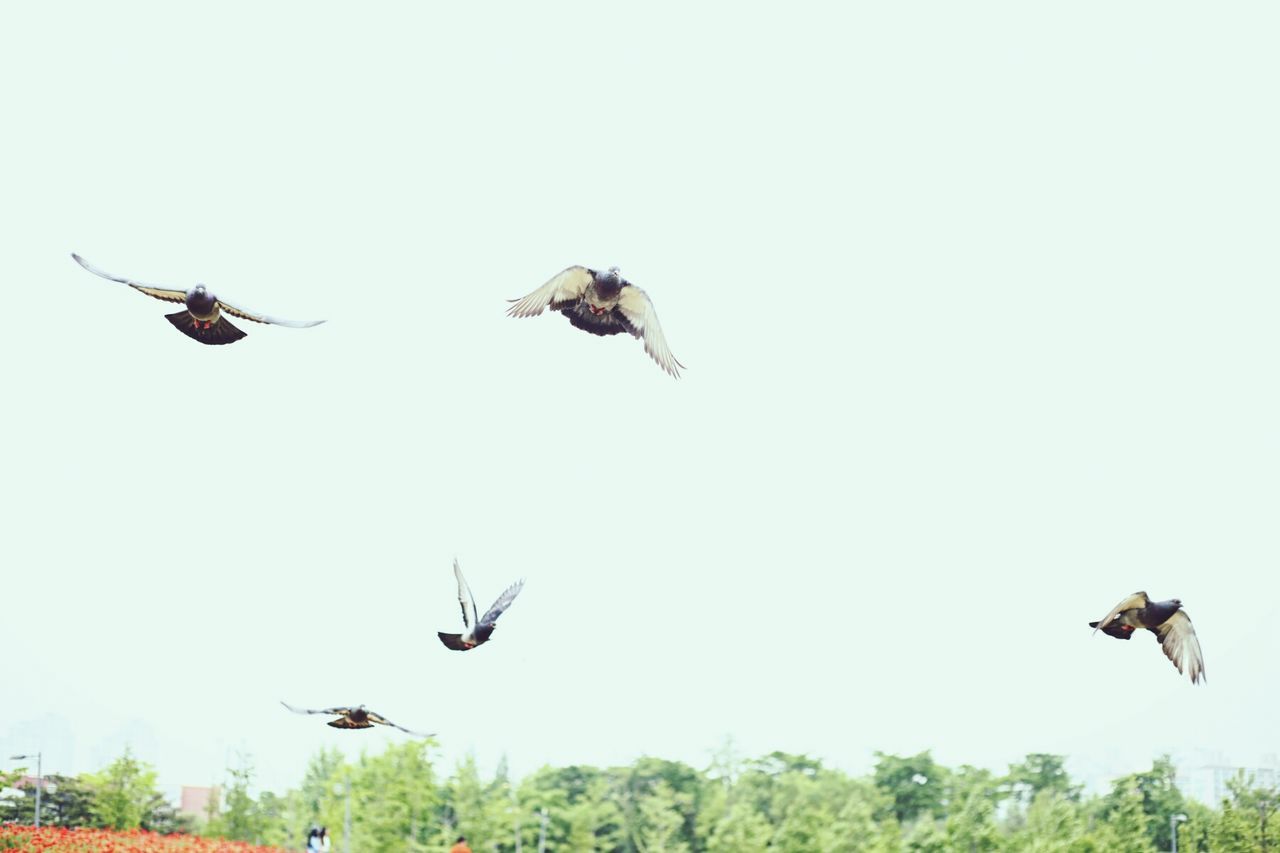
(195, 801)
(1207, 781)
(31, 781)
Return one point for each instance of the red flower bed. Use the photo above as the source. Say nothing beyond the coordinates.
(61, 840)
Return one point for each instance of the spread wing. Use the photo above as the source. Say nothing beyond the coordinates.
(342, 712)
(1180, 644)
(1138, 599)
(504, 601)
(244, 314)
(637, 309)
(165, 293)
(566, 286)
(465, 600)
(383, 721)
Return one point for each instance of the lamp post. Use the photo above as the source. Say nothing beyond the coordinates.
(39, 780)
(1174, 820)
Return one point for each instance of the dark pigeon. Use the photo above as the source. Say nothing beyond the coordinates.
(602, 303)
(358, 717)
(478, 630)
(202, 320)
(1167, 620)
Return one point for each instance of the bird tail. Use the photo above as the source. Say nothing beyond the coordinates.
(452, 641)
(1115, 629)
(219, 331)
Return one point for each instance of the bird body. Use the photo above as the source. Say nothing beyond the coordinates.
(202, 320)
(1167, 620)
(478, 628)
(602, 303)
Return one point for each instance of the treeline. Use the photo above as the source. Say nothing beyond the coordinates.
(780, 802)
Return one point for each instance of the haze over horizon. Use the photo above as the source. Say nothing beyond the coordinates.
(978, 307)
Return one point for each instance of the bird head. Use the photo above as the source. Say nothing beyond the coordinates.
(1177, 602)
(200, 298)
(613, 277)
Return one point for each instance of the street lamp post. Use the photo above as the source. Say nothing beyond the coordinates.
(1174, 820)
(39, 780)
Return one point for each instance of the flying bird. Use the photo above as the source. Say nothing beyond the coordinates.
(202, 319)
(1167, 620)
(478, 630)
(602, 303)
(358, 717)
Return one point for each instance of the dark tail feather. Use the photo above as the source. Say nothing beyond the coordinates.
(1115, 629)
(220, 331)
(452, 641)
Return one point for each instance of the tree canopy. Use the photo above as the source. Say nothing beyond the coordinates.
(400, 800)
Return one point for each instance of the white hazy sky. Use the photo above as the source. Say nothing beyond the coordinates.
(978, 303)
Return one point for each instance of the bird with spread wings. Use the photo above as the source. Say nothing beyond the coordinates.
(1167, 620)
(479, 629)
(602, 303)
(203, 318)
(357, 717)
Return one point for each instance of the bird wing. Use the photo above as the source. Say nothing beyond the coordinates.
(566, 286)
(504, 601)
(1138, 599)
(165, 293)
(465, 599)
(383, 721)
(1180, 644)
(342, 712)
(244, 314)
(637, 309)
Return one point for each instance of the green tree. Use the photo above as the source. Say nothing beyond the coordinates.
(395, 800)
(915, 784)
(741, 830)
(159, 815)
(635, 784)
(284, 818)
(594, 821)
(1161, 798)
(1055, 823)
(239, 817)
(66, 801)
(123, 793)
(485, 813)
(1247, 818)
(660, 821)
(973, 794)
(1194, 833)
(1040, 771)
(1126, 827)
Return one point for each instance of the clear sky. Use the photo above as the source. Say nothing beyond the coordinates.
(979, 307)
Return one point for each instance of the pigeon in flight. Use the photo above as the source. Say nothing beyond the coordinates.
(478, 630)
(202, 318)
(1167, 620)
(358, 717)
(602, 303)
